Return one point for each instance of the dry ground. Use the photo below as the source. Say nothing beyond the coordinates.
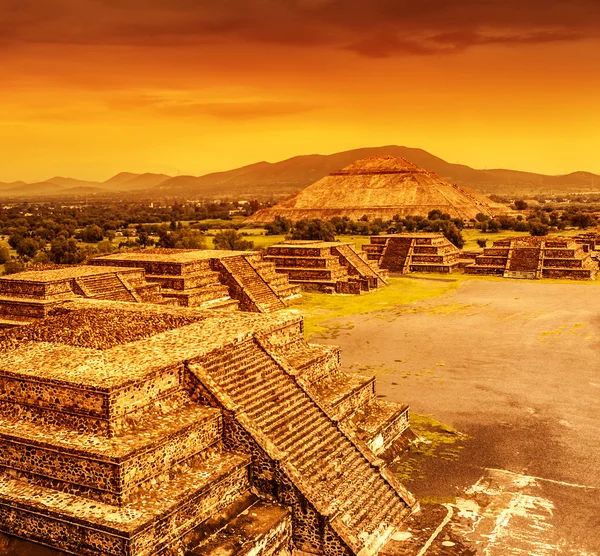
(515, 366)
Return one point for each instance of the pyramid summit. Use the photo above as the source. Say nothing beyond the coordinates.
(381, 187)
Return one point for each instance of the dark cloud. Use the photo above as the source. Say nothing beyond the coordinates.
(377, 28)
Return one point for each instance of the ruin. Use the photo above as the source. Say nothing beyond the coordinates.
(416, 252)
(381, 187)
(326, 266)
(535, 258)
(210, 278)
(31, 295)
(142, 429)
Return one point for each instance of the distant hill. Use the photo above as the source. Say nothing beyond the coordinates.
(126, 181)
(281, 179)
(381, 186)
(278, 180)
(72, 182)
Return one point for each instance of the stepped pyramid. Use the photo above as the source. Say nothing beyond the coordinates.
(413, 252)
(210, 278)
(537, 257)
(133, 429)
(30, 295)
(381, 187)
(327, 266)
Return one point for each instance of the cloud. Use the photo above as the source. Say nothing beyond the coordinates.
(242, 109)
(377, 28)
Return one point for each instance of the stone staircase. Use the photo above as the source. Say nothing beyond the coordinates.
(523, 263)
(107, 286)
(246, 283)
(316, 265)
(278, 281)
(348, 398)
(413, 252)
(361, 502)
(531, 258)
(360, 266)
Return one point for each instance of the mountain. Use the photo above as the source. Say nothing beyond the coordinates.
(127, 181)
(281, 179)
(381, 187)
(72, 182)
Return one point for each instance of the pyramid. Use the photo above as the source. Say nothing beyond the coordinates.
(381, 187)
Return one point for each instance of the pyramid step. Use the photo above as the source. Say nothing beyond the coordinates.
(94, 528)
(109, 469)
(295, 441)
(263, 529)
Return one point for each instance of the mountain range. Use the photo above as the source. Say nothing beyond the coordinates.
(281, 179)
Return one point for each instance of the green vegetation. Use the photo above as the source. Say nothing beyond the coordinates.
(434, 440)
(318, 309)
(232, 241)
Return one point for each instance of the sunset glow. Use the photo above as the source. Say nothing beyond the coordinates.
(93, 88)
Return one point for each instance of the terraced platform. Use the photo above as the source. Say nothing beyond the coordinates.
(211, 278)
(535, 258)
(404, 253)
(138, 429)
(330, 267)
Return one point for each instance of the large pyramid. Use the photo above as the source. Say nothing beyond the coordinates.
(381, 187)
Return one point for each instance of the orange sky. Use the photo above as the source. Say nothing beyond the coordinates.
(91, 88)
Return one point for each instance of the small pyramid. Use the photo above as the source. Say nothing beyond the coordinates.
(381, 187)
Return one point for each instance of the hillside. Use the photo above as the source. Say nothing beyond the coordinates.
(381, 187)
(279, 180)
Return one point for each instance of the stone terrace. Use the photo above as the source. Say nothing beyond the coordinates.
(211, 278)
(30, 295)
(536, 257)
(132, 429)
(330, 267)
(420, 252)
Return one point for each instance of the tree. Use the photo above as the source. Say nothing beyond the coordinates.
(453, 235)
(536, 228)
(316, 230)
(493, 226)
(92, 234)
(520, 204)
(4, 254)
(28, 248)
(66, 251)
(482, 243)
(280, 225)
(232, 241)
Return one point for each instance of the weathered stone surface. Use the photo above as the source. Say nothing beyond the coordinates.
(330, 267)
(537, 257)
(418, 252)
(125, 426)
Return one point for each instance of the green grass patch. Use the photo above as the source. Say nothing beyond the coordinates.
(319, 308)
(434, 440)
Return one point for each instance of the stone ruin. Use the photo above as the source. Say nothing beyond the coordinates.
(196, 277)
(535, 258)
(30, 295)
(413, 252)
(330, 267)
(139, 429)
(216, 280)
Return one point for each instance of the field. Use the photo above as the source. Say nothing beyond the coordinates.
(500, 374)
